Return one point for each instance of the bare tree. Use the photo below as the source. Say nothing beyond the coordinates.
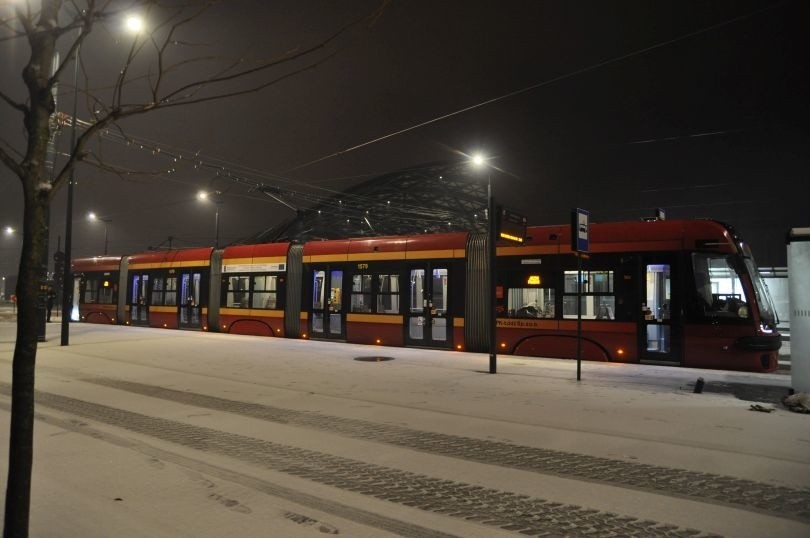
(157, 55)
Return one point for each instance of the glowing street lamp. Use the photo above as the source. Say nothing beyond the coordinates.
(479, 161)
(93, 217)
(134, 24)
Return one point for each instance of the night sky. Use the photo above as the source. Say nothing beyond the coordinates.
(619, 107)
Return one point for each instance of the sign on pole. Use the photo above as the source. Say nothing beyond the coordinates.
(580, 230)
(580, 242)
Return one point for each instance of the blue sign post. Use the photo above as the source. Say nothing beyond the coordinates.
(580, 243)
(580, 230)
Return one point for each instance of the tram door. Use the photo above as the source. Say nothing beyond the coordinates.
(328, 319)
(189, 303)
(660, 334)
(427, 317)
(138, 305)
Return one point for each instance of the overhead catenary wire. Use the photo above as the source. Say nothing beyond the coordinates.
(537, 85)
(325, 198)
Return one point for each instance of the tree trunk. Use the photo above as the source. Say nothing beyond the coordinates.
(37, 194)
(21, 435)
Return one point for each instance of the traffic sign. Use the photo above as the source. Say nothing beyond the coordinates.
(580, 230)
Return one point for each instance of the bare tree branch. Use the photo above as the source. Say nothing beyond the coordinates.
(284, 59)
(14, 33)
(253, 89)
(12, 103)
(83, 29)
(25, 20)
(11, 148)
(10, 163)
(166, 42)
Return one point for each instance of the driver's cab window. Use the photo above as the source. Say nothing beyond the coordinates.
(719, 293)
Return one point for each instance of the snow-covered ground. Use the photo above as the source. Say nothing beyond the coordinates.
(116, 455)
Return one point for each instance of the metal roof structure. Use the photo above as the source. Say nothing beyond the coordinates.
(437, 197)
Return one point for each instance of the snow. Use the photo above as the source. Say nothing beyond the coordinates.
(96, 479)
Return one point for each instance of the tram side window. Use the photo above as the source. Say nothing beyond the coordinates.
(597, 301)
(106, 293)
(158, 291)
(170, 297)
(264, 291)
(530, 303)
(388, 294)
(164, 291)
(375, 293)
(90, 290)
(361, 293)
(238, 292)
(440, 291)
(719, 293)
(99, 290)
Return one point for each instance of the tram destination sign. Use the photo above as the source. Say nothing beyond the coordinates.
(511, 226)
(253, 267)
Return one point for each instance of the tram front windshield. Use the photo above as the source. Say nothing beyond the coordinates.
(720, 290)
(767, 311)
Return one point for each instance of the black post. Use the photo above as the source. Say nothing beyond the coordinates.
(106, 234)
(67, 281)
(579, 315)
(493, 315)
(216, 226)
(42, 293)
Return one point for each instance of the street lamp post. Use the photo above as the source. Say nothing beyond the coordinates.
(216, 225)
(205, 195)
(92, 216)
(478, 160)
(134, 25)
(67, 284)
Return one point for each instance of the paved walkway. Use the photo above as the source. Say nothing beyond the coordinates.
(286, 437)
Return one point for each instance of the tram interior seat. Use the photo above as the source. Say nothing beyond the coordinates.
(528, 311)
(605, 312)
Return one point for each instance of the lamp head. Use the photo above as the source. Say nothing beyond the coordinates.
(134, 24)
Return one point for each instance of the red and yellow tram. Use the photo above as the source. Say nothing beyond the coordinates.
(681, 292)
